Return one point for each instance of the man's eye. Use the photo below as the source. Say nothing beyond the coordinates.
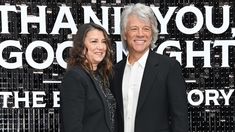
(147, 29)
(133, 29)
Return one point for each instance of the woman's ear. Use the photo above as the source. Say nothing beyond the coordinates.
(84, 51)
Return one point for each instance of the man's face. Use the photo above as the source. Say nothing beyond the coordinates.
(138, 35)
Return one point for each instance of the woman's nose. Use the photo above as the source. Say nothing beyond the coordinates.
(100, 45)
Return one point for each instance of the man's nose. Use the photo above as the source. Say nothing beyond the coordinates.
(140, 32)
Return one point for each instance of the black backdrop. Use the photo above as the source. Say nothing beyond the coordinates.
(26, 78)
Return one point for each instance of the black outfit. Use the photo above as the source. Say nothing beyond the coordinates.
(162, 103)
(87, 104)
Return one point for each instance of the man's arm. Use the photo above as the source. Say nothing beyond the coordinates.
(178, 105)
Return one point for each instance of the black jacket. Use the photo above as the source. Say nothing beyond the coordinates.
(83, 106)
(162, 104)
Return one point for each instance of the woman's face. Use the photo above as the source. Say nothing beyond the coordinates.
(95, 44)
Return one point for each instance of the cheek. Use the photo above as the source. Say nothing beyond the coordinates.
(105, 48)
(89, 54)
(150, 35)
(126, 36)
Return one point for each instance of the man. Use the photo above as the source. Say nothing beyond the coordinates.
(149, 88)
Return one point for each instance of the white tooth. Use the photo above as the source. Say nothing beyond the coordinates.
(98, 53)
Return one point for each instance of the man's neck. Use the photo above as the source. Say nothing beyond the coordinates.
(135, 56)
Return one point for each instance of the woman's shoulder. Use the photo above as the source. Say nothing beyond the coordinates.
(76, 72)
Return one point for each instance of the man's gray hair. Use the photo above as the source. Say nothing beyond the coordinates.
(144, 13)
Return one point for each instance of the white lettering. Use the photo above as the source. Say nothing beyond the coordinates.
(4, 16)
(198, 23)
(56, 99)
(64, 11)
(25, 19)
(37, 99)
(29, 58)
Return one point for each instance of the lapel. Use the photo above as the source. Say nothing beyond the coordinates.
(149, 76)
(105, 104)
(119, 71)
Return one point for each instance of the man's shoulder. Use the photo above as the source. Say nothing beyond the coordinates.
(121, 63)
(162, 58)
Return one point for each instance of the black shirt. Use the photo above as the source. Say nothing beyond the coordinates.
(104, 85)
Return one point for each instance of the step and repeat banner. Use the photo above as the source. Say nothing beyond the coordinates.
(36, 35)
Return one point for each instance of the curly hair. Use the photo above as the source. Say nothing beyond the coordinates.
(78, 56)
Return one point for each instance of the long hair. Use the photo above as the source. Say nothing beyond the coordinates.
(78, 56)
(144, 13)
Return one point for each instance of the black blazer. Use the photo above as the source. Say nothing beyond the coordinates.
(162, 104)
(83, 106)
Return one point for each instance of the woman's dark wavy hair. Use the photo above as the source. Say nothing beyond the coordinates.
(77, 55)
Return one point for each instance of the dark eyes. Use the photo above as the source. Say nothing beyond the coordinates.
(96, 41)
(134, 29)
(147, 29)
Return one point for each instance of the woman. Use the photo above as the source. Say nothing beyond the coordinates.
(87, 104)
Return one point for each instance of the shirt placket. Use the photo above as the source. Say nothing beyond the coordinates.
(131, 93)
